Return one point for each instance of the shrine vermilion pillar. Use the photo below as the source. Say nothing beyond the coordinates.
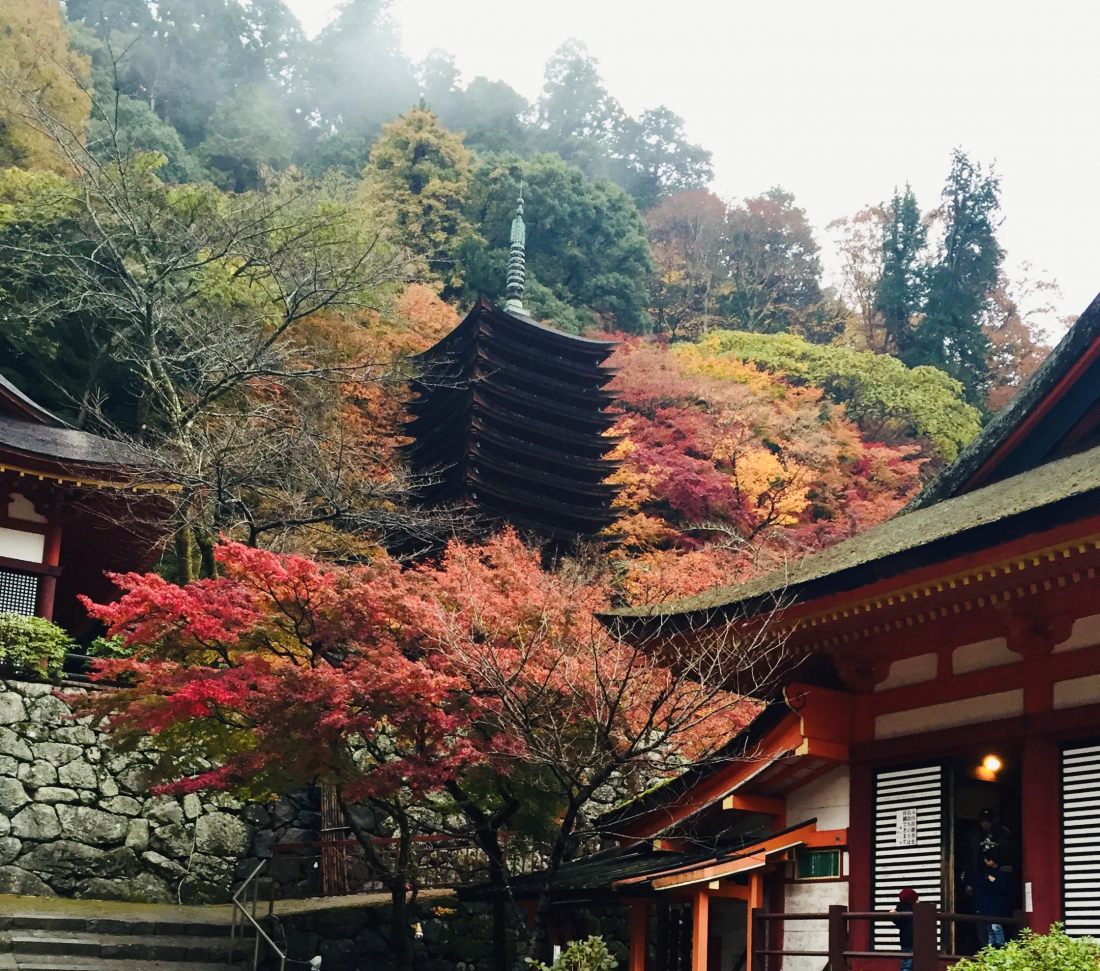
(1042, 831)
(700, 930)
(639, 927)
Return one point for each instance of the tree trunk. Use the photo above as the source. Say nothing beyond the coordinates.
(184, 554)
(401, 952)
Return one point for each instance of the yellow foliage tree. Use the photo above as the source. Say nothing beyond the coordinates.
(39, 75)
(416, 185)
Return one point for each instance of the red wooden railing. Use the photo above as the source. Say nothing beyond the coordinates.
(926, 919)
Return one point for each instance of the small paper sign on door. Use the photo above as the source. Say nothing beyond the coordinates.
(907, 827)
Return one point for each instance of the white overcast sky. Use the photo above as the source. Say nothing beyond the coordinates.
(838, 101)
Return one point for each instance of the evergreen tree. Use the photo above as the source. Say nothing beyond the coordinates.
(962, 280)
(900, 293)
(417, 185)
(587, 250)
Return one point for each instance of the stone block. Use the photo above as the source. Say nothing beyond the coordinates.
(55, 794)
(108, 788)
(31, 689)
(57, 753)
(340, 955)
(15, 879)
(11, 744)
(49, 711)
(36, 822)
(163, 810)
(220, 834)
(74, 735)
(92, 826)
(173, 840)
(93, 755)
(67, 858)
(163, 865)
(8, 765)
(123, 805)
(5, 825)
(137, 834)
(9, 849)
(144, 888)
(13, 796)
(192, 806)
(134, 779)
(35, 774)
(78, 774)
(12, 709)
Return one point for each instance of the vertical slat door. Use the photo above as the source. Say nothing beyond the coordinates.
(1081, 839)
(909, 841)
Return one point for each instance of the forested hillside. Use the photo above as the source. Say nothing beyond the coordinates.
(222, 239)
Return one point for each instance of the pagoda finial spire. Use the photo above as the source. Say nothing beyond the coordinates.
(517, 261)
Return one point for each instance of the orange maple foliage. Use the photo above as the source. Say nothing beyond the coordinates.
(727, 470)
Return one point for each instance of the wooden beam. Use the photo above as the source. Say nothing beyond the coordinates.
(756, 804)
(700, 928)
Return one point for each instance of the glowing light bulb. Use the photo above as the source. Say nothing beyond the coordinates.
(991, 763)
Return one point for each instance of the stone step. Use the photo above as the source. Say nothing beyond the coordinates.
(119, 946)
(136, 927)
(69, 964)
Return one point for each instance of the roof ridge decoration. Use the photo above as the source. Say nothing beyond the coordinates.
(517, 261)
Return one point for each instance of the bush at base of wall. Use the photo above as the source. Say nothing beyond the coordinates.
(1038, 952)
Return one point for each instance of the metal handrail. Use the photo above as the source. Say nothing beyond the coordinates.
(240, 911)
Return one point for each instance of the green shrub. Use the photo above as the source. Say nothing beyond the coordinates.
(1038, 952)
(878, 391)
(32, 644)
(110, 647)
(590, 955)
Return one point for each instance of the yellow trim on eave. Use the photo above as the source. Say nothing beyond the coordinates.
(90, 483)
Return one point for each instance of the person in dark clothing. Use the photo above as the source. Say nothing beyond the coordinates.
(995, 896)
(986, 836)
(906, 899)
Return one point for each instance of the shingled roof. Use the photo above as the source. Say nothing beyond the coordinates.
(29, 430)
(1075, 352)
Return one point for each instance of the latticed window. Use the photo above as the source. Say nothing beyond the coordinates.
(817, 864)
(18, 592)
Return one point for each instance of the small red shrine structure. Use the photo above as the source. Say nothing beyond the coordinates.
(947, 661)
(66, 513)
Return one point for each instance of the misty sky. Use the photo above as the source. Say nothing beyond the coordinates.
(838, 101)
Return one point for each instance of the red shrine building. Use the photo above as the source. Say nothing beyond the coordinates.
(944, 663)
(68, 513)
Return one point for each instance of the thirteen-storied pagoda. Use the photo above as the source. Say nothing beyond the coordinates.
(512, 416)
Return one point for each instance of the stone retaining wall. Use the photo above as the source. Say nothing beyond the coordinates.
(77, 820)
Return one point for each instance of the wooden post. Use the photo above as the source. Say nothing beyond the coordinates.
(639, 927)
(757, 935)
(838, 938)
(926, 945)
(860, 827)
(700, 930)
(1042, 832)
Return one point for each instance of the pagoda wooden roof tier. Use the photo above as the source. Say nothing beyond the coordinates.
(513, 417)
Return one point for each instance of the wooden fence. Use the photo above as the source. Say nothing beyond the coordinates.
(926, 953)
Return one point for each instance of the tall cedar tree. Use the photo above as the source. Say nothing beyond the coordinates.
(961, 281)
(901, 287)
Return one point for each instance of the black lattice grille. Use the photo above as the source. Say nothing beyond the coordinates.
(18, 593)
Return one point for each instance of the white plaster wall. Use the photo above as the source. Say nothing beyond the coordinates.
(910, 670)
(951, 714)
(19, 545)
(810, 897)
(982, 656)
(826, 798)
(1085, 633)
(20, 507)
(1077, 691)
